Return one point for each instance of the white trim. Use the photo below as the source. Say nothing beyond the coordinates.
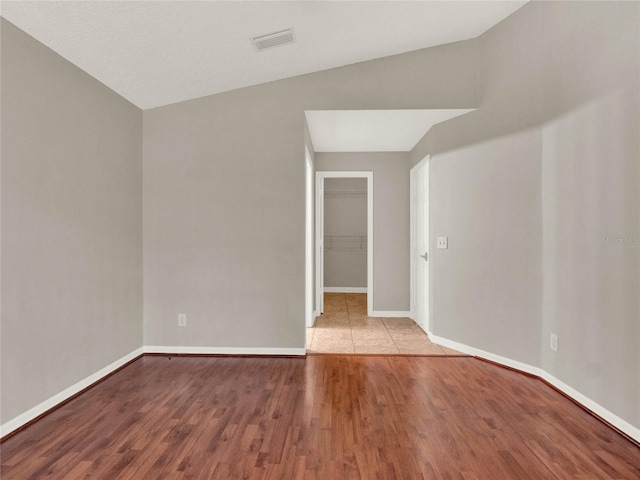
(596, 408)
(58, 398)
(224, 350)
(320, 176)
(50, 403)
(345, 289)
(612, 418)
(315, 316)
(390, 313)
(308, 239)
(319, 244)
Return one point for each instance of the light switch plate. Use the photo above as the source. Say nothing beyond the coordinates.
(443, 242)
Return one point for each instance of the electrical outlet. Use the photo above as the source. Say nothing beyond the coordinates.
(182, 320)
(443, 242)
(553, 342)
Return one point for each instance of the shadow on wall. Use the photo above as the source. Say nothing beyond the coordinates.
(549, 71)
(530, 186)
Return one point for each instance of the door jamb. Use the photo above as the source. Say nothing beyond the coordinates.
(309, 238)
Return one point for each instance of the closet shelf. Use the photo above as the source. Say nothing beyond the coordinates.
(345, 194)
(342, 243)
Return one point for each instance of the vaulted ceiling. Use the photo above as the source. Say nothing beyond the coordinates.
(154, 53)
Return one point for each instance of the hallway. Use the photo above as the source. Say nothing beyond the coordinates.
(345, 328)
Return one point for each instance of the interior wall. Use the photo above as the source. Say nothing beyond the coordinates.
(390, 220)
(590, 173)
(71, 224)
(224, 197)
(485, 188)
(532, 188)
(345, 231)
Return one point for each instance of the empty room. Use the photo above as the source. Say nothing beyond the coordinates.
(320, 240)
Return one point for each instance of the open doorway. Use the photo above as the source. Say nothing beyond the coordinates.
(343, 242)
(345, 236)
(348, 325)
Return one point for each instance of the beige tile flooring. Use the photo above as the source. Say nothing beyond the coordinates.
(345, 328)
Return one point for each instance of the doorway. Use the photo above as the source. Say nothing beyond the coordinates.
(419, 246)
(320, 235)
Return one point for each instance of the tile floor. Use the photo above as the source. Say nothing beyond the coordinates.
(345, 328)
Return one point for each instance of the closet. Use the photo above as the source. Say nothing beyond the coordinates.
(345, 234)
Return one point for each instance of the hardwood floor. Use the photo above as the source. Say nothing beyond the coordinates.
(323, 417)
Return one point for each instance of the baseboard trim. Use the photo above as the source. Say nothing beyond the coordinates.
(345, 289)
(601, 413)
(243, 351)
(623, 427)
(390, 313)
(32, 415)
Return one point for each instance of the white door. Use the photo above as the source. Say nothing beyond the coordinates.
(420, 243)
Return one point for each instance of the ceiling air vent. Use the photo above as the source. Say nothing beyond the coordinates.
(274, 39)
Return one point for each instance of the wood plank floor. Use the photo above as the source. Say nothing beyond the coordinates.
(323, 417)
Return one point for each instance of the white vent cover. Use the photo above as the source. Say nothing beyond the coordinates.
(274, 39)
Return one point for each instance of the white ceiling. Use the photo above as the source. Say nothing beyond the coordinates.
(155, 53)
(373, 130)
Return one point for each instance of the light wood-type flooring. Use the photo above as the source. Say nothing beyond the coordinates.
(344, 327)
(326, 417)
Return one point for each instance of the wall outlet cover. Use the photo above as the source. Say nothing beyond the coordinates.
(443, 242)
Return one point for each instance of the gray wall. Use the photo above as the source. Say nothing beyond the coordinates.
(345, 223)
(224, 196)
(390, 220)
(71, 224)
(590, 173)
(529, 185)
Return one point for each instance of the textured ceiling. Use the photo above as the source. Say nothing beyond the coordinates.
(155, 53)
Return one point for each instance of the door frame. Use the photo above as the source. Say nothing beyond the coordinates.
(319, 252)
(424, 163)
(309, 239)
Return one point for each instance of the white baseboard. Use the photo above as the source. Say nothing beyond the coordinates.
(390, 313)
(55, 400)
(345, 289)
(24, 418)
(51, 402)
(313, 320)
(176, 350)
(613, 419)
